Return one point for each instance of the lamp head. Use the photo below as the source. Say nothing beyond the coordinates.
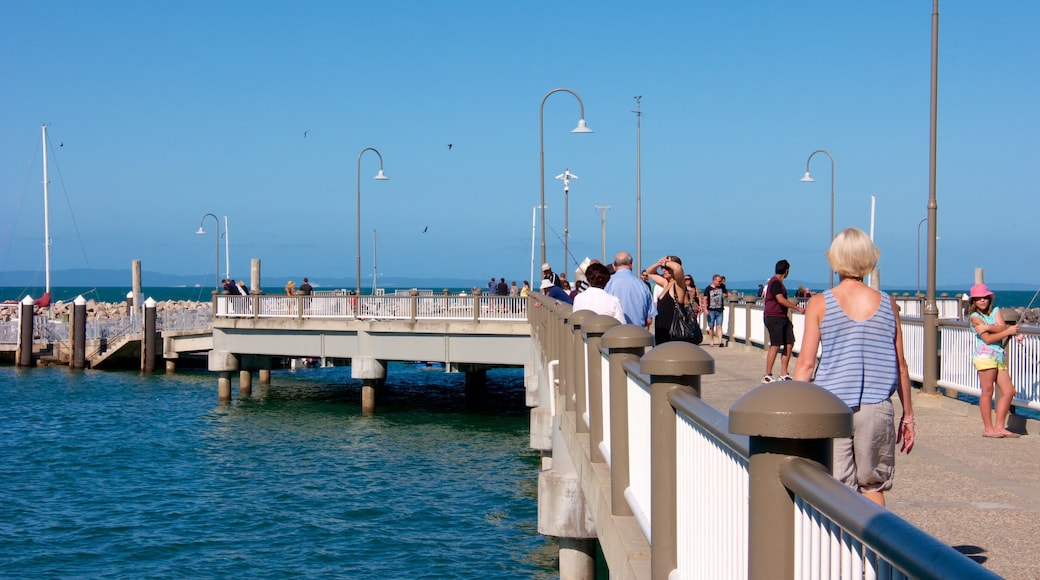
(201, 231)
(582, 127)
(381, 176)
(808, 178)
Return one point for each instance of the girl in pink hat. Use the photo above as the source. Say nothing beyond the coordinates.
(990, 360)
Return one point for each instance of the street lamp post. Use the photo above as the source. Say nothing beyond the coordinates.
(380, 176)
(639, 186)
(808, 178)
(581, 128)
(603, 232)
(216, 248)
(930, 312)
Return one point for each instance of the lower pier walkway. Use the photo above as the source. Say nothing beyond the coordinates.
(981, 496)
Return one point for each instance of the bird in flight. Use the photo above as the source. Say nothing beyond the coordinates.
(449, 146)
(424, 229)
(305, 133)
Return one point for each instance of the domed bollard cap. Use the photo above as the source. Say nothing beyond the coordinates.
(790, 410)
(627, 336)
(676, 359)
(598, 323)
(577, 318)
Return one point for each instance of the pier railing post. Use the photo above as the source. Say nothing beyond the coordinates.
(784, 419)
(413, 299)
(625, 343)
(476, 305)
(749, 305)
(593, 329)
(576, 387)
(730, 324)
(672, 365)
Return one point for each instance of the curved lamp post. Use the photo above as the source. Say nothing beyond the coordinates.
(809, 178)
(380, 176)
(581, 128)
(216, 248)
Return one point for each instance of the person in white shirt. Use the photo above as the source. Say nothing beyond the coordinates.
(594, 298)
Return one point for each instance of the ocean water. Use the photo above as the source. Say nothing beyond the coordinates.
(123, 475)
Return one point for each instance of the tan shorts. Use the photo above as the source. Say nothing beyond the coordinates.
(866, 461)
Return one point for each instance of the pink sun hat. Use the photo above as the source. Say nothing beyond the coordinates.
(980, 290)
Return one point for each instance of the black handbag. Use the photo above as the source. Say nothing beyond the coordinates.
(684, 324)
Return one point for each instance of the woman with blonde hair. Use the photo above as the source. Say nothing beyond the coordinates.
(990, 360)
(862, 363)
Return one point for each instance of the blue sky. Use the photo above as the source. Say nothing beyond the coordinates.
(160, 112)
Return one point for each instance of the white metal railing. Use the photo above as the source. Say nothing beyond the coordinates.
(711, 512)
(424, 306)
(956, 344)
(638, 492)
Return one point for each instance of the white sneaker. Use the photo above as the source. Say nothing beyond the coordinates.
(768, 379)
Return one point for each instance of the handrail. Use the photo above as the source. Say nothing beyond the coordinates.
(908, 548)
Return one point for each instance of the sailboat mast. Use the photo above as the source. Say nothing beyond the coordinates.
(227, 252)
(46, 215)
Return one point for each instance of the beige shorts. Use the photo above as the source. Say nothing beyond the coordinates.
(987, 363)
(866, 461)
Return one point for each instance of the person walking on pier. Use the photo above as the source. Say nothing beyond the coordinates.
(990, 360)
(716, 294)
(862, 363)
(637, 303)
(555, 292)
(777, 323)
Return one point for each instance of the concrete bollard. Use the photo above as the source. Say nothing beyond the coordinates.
(77, 358)
(223, 362)
(575, 371)
(783, 419)
(593, 329)
(625, 344)
(672, 365)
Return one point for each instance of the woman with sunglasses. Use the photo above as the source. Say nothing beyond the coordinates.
(990, 360)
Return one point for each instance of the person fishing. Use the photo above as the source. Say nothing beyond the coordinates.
(990, 360)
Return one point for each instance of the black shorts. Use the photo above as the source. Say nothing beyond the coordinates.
(781, 330)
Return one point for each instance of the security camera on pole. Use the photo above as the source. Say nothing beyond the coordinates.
(566, 176)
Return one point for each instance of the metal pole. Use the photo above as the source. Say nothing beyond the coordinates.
(930, 313)
(639, 183)
(603, 232)
(46, 215)
(919, 224)
(357, 265)
(581, 128)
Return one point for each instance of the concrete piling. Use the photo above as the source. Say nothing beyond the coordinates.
(78, 333)
(25, 333)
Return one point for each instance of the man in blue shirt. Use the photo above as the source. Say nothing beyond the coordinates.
(553, 291)
(636, 301)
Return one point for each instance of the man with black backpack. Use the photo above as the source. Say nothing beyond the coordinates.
(716, 294)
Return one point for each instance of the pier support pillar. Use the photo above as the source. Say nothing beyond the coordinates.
(265, 376)
(577, 559)
(171, 365)
(25, 333)
(78, 357)
(372, 372)
(224, 387)
(476, 387)
(245, 383)
(223, 362)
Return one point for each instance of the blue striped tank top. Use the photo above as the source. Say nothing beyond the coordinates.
(858, 360)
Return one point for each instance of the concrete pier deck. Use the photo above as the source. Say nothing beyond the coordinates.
(980, 496)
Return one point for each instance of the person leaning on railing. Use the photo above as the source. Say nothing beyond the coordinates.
(862, 363)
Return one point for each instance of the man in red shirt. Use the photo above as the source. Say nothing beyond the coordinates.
(778, 325)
